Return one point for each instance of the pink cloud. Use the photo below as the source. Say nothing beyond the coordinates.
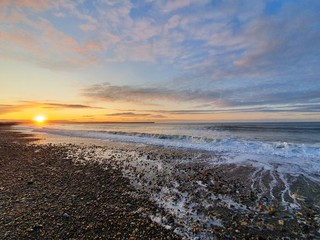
(109, 37)
(32, 4)
(142, 52)
(143, 30)
(94, 45)
(87, 27)
(39, 41)
(4, 3)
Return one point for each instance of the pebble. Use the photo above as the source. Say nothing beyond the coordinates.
(30, 182)
(37, 227)
(244, 223)
(65, 216)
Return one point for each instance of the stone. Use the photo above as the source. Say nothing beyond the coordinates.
(244, 223)
(37, 227)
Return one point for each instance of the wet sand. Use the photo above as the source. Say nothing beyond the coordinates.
(92, 189)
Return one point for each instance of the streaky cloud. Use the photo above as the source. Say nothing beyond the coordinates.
(247, 99)
(9, 108)
(54, 105)
(133, 114)
(146, 95)
(128, 114)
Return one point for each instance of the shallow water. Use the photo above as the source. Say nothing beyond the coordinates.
(291, 148)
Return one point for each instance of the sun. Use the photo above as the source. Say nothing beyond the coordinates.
(39, 119)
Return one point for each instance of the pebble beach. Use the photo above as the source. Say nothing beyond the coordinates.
(70, 189)
(43, 195)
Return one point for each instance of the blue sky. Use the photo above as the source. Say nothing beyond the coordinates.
(160, 60)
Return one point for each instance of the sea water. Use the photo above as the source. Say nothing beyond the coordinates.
(294, 147)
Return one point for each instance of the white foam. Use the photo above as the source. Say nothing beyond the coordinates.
(181, 199)
(288, 158)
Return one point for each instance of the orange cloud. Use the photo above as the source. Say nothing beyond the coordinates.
(10, 108)
(6, 108)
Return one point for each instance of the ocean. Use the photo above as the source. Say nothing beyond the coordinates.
(293, 144)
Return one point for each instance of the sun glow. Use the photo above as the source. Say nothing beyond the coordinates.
(39, 119)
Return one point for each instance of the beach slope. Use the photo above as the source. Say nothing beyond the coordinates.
(44, 195)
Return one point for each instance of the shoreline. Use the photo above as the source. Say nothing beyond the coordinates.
(187, 196)
(45, 195)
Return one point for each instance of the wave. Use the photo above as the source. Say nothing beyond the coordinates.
(289, 158)
(218, 145)
(310, 127)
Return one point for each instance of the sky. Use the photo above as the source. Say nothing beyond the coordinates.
(153, 60)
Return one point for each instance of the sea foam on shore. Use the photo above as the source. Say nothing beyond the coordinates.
(201, 196)
(207, 193)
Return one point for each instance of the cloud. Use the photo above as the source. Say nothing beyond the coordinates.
(245, 98)
(88, 27)
(297, 108)
(281, 43)
(54, 105)
(174, 5)
(134, 115)
(220, 38)
(216, 54)
(28, 35)
(32, 4)
(128, 114)
(146, 95)
(8, 108)
(51, 48)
